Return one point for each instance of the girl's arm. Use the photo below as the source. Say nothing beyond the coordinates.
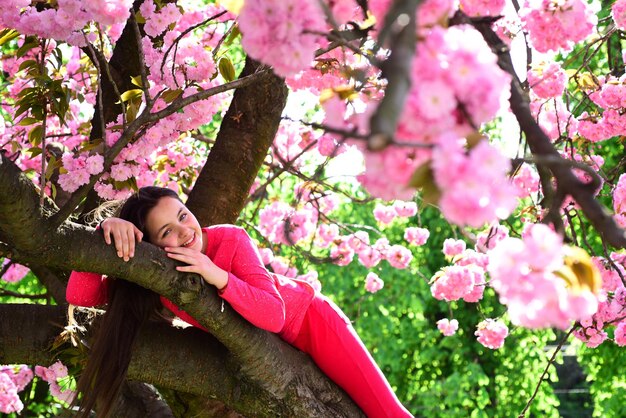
(91, 289)
(251, 289)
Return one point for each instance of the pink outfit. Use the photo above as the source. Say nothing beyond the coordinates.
(288, 307)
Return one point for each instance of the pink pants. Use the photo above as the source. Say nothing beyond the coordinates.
(329, 338)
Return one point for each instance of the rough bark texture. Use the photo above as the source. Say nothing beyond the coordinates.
(256, 359)
(245, 135)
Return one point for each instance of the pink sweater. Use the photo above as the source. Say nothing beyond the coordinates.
(269, 301)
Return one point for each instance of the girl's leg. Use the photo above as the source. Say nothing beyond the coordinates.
(329, 338)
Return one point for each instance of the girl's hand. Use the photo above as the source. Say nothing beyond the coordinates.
(124, 234)
(198, 262)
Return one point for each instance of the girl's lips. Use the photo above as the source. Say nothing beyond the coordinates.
(191, 242)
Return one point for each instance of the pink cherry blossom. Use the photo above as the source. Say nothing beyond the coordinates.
(20, 374)
(277, 32)
(447, 326)
(455, 282)
(547, 80)
(384, 214)
(370, 256)
(14, 273)
(311, 278)
(416, 236)
(618, 12)
(491, 333)
(482, 7)
(557, 25)
(9, 400)
(620, 334)
(267, 255)
(452, 247)
(373, 283)
(405, 209)
(490, 237)
(399, 256)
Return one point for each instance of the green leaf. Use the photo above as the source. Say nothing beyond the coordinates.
(131, 111)
(131, 94)
(34, 136)
(23, 108)
(226, 69)
(170, 95)
(27, 121)
(7, 35)
(28, 64)
(136, 80)
(34, 151)
(25, 48)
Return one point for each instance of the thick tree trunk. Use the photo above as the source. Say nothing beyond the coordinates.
(246, 133)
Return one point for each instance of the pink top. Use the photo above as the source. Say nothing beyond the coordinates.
(269, 301)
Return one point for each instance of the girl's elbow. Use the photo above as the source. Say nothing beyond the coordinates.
(277, 322)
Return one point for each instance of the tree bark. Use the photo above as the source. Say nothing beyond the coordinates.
(246, 133)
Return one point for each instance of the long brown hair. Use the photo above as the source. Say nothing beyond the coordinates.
(129, 307)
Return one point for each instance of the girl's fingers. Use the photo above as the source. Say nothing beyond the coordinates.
(180, 250)
(131, 242)
(107, 234)
(182, 258)
(188, 269)
(138, 233)
(119, 245)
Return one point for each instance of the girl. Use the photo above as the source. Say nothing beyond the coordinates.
(225, 257)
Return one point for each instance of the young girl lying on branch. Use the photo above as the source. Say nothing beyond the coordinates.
(225, 257)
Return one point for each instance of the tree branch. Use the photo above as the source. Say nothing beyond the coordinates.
(541, 146)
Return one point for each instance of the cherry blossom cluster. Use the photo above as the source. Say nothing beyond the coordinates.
(52, 375)
(416, 236)
(373, 283)
(609, 96)
(429, 13)
(612, 306)
(14, 273)
(525, 273)
(385, 214)
(526, 180)
(282, 33)
(282, 224)
(491, 333)
(13, 379)
(558, 25)
(447, 326)
(482, 7)
(474, 186)
(465, 278)
(456, 282)
(547, 80)
(79, 169)
(64, 22)
(618, 12)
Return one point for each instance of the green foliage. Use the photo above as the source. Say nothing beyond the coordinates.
(603, 366)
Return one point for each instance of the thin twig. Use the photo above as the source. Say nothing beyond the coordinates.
(545, 371)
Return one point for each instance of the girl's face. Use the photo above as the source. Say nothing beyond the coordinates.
(171, 224)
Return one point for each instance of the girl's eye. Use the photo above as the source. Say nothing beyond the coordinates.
(183, 217)
(166, 233)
